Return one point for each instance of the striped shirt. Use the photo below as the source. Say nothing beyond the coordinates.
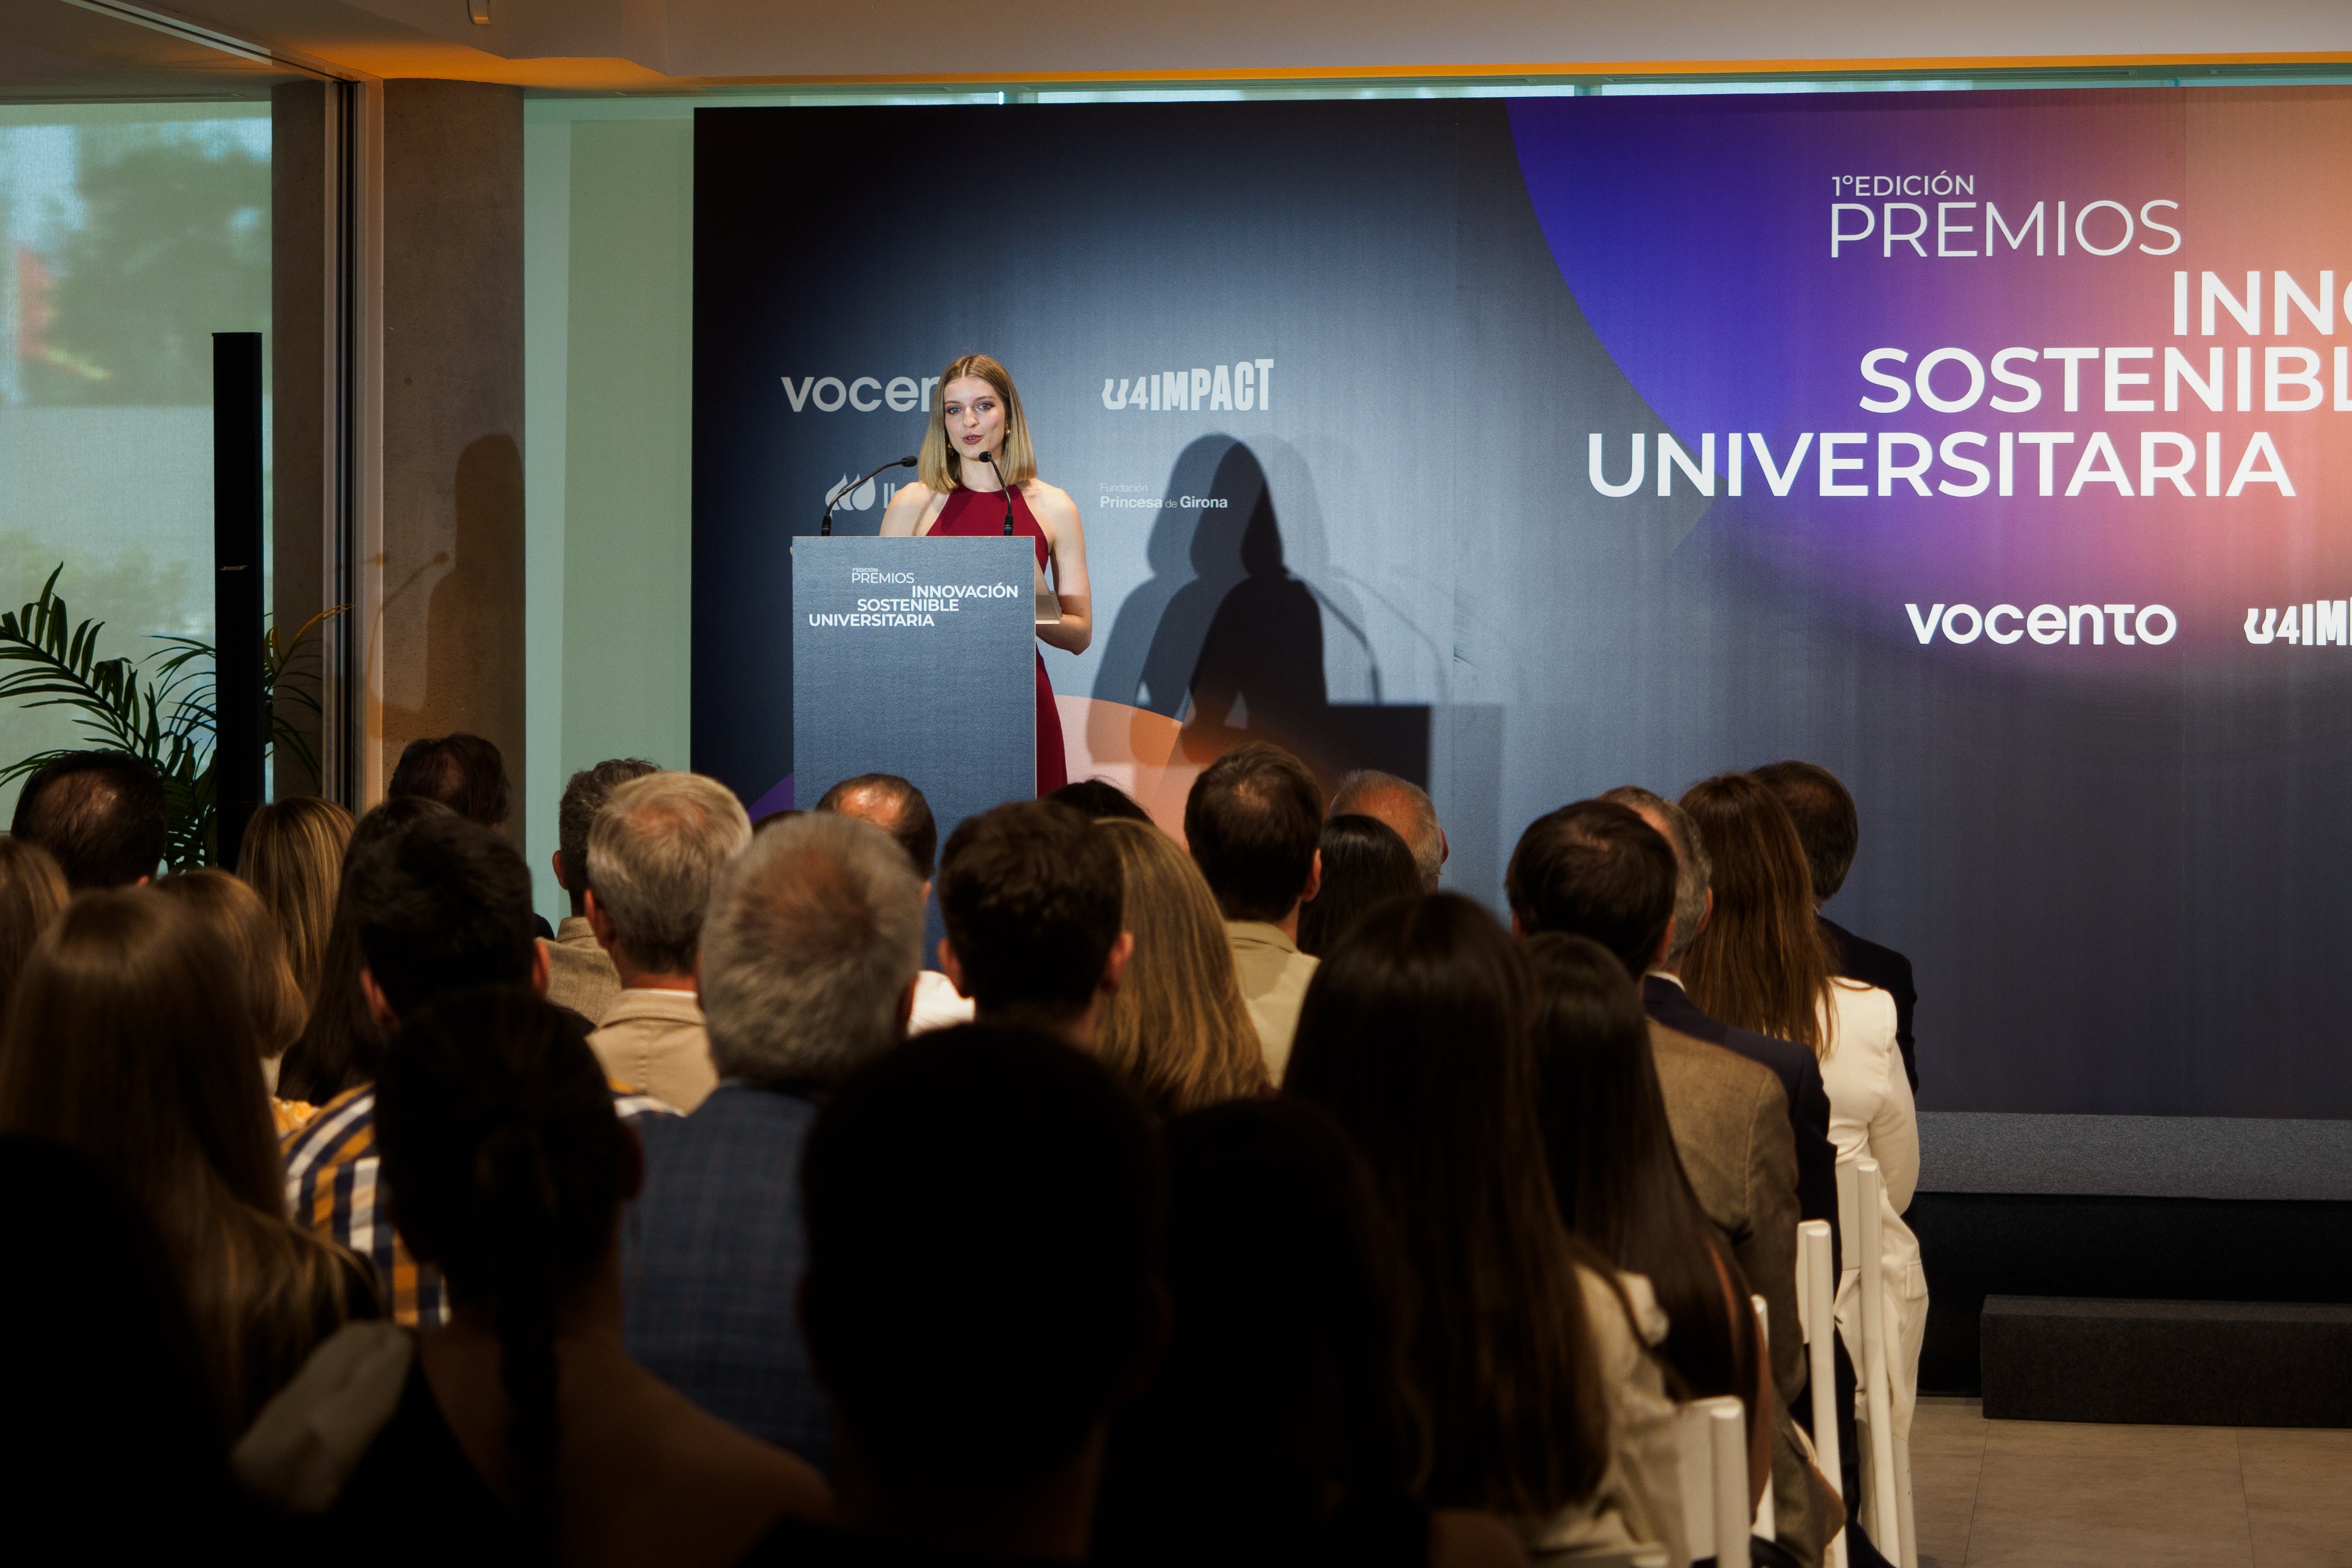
(330, 1186)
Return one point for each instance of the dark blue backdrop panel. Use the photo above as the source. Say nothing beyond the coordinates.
(888, 679)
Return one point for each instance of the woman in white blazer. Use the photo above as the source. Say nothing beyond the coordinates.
(1762, 963)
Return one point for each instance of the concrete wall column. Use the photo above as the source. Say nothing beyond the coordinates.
(451, 641)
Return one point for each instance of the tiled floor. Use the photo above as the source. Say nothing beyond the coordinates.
(2046, 1494)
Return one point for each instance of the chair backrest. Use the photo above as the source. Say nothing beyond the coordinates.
(1817, 1303)
(1711, 1442)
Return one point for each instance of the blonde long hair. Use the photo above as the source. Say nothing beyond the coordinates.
(1015, 458)
(235, 912)
(293, 856)
(1176, 1028)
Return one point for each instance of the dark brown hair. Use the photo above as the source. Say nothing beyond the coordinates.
(1614, 1169)
(32, 892)
(1365, 864)
(1415, 1034)
(1254, 820)
(1823, 812)
(1762, 962)
(122, 1042)
(1032, 898)
(1595, 869)
(464, 772)
(293, 856)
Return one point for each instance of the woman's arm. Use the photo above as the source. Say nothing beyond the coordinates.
(1057, 515)
(904, 515)
(1895, 1125)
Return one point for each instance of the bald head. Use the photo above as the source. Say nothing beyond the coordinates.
(894, 806)
(1405, 806)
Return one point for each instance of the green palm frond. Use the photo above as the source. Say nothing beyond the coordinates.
(162, 709)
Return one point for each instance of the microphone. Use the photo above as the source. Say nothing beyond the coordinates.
(1006, 487)
(825, 529)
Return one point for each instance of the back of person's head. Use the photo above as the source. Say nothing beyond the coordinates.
(443, 904)
(1286, 1376)
(983, 1210)
(1099, 799)
(1414, 1035)
(1693, 873)
(464, 772)
(101, 815)
(1763, 962)
(1253, 821)
(1827, 825)
(1405, 806)
(897, 807)
(1595, 869)
(1365, 865)
(293, 858)
(341, 1045)
(812, 937)
(583, 797)
(507, 1169)
(1615, 1173)
(1177, 1028)
(237, 913)
(32, 892)
(105, 1382)
(654, 855)
(123, 1042)
(1031, 897)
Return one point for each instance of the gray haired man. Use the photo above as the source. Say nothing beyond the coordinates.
(654, 851)
(1403, 806)
(809, 954)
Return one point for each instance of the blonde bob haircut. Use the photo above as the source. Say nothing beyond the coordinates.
(1015, 458)
(1177, 1028)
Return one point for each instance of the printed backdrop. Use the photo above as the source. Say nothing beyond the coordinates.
(1991, 449)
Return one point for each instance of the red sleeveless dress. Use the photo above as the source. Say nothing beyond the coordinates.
(978, 513)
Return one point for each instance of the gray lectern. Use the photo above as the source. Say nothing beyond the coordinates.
(916, 657)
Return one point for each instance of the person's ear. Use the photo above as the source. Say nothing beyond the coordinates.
(378, 1007)
(538, 966)
(1314, 878)
(556, 860)
(1666, 946)
(906, 1004)
(951, 969)
(1518, 927)
(926, 890)
(599, 921)
(1115, 965)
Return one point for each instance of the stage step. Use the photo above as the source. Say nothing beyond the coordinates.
(2186, 1363)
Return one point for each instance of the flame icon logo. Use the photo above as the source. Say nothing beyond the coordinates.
(841, 498)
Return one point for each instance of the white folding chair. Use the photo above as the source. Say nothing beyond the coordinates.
(1858, 1216)
(1711, 1441)
(1817, 1305)
(1767, 1521)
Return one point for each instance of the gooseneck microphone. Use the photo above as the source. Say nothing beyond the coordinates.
(825, 529)
(1006, 487)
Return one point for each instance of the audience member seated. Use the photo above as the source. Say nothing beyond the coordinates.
(1406, 807)
(1031, 897)
(1101, 800)
(1596, 870)
(464, 772)
(1175, 1028)
(1545, 1407)
(1668, 1002)
(292, 857)
(1831, 831)
(106, 1386)
(234, 912)
(521, 1432)
(656, 848)
(1254, 822)
(1620, 1183)
(100, 815)
(1365, 865)
(342, 1045)
(124, 1041)
(984, 1209)
(438, 905)
(900, 810)
(1766, 963)
(809, 949)
(1281, 1428)
(579, 975)
(32, 892)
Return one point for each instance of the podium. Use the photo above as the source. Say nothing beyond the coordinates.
(916, 657)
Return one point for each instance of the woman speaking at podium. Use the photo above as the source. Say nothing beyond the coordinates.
(977, 467)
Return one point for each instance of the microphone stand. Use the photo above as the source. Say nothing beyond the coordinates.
(825, 529)
(1006, 487)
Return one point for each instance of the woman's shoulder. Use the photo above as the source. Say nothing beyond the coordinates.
(1044, 499)
(1864, 1008)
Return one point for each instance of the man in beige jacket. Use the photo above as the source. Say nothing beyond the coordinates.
(1253, 822)
(653, 853)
